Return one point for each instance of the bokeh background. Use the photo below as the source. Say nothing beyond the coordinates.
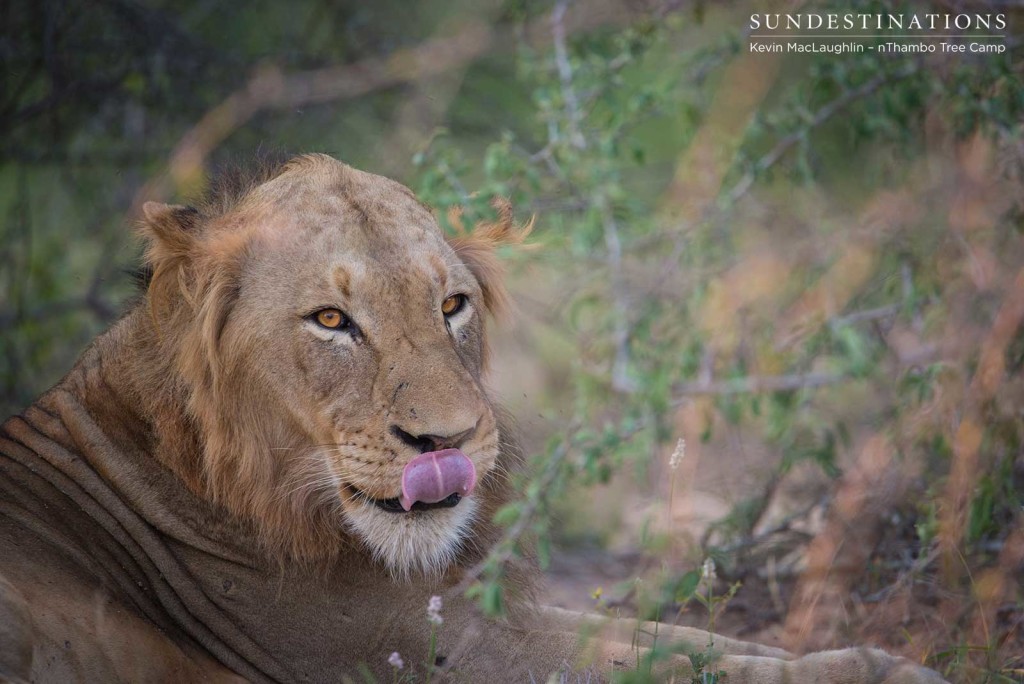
(772, 312)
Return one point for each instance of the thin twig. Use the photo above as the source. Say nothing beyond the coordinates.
(455, 183)
(754, 384)
(621, 381)
(572, 108)
(908, 574)
(824, 114)
(866, 315)
(784, 525)
(503, 551)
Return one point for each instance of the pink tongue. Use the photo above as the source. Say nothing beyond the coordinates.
(436, 475)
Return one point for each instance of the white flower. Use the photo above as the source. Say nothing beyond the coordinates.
(677, 456)
(395, 661)
(707, 571)
(434, 610)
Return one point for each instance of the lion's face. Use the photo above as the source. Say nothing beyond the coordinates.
(353, 344)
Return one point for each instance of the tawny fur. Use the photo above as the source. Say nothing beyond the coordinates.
(190, 502)
(252, 462)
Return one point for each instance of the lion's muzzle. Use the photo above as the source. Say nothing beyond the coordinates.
(437, 476)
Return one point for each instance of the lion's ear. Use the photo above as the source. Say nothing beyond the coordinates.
(170, 230)
(478, 251)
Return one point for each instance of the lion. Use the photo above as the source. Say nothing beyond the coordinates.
(266, 469)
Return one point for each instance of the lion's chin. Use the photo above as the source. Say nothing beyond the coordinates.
(412, 543)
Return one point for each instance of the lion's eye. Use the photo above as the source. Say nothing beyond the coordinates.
(453, 304)
(331, 319)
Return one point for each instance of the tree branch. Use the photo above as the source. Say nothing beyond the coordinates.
(572, 108)
(867, 315)
(754, 384)
(820, 117)
(621, 381)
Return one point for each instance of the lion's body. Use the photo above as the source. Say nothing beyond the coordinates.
(169, 511)
(128, 576)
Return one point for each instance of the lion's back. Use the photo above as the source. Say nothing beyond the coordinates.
(65, 612)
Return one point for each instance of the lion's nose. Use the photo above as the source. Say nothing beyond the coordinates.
(424, 443)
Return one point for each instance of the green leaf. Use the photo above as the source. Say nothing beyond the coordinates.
(686, 587)
(493, 600)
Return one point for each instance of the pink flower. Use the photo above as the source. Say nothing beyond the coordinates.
(395, 661)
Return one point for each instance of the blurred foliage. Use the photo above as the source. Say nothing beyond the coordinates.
(94, 96)
(838, 276)
(846, 282)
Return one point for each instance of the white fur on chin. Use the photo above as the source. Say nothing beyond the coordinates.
(423, 541)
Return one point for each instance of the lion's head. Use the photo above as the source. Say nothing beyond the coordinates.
(329, 345)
